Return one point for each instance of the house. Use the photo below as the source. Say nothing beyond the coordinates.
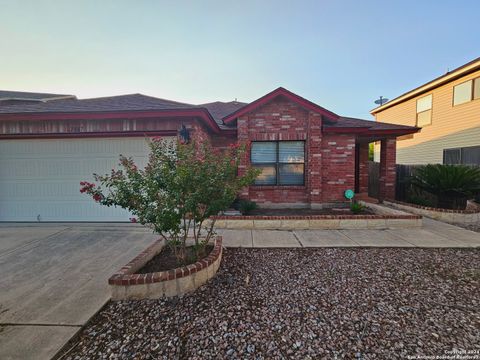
(308, 155)
(21, 97)
(448, 111)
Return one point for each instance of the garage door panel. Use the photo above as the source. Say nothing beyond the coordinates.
(40, 178)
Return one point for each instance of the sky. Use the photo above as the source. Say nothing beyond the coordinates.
(341, 55)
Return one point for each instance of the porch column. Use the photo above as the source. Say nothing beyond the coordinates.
(388, 171)
(363, 167)
(242, 138)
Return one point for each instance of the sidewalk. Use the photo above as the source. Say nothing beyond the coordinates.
(433, 234)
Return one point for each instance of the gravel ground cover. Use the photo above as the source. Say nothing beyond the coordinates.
(303, 304)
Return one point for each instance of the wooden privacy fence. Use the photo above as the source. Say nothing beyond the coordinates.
(403, 187)
(404, 172)
(373, 178)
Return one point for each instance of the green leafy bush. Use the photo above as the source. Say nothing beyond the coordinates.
(356, 208)
(452, 184)
(246, 206)
(177, 192)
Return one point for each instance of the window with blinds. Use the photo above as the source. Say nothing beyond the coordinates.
(281, 162)
(464, 156)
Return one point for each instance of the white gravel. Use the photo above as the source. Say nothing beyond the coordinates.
(303, 304)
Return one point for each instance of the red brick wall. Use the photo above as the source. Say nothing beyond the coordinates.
(280, 119)
(330, 159)
(338, 166)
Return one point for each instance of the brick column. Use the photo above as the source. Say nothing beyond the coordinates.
(387, 169)
(314, 159)
(363, 167)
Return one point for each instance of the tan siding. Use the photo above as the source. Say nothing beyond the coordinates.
(452, 126)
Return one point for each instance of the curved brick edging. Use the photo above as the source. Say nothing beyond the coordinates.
(125, 284)
(464, 217)
(318, 221)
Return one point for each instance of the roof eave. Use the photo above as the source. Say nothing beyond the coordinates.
(98, 115)
(369, 131)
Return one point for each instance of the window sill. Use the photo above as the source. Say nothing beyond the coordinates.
(278, 187)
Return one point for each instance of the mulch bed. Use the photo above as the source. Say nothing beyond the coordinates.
(166, 260)
(308, 212)
(303, 304)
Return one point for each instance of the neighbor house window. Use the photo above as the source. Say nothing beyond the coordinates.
(281, 162)
(424, 111)
(476, 88)
(466, 91)
(465, 156)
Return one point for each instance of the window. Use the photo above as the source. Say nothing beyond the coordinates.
(281, 162)
(451, 156)
(476, 88)
(465, 156)
(424, 111)
(466, 91)
(462, 93)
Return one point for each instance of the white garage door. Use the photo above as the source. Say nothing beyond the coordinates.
(39, 179)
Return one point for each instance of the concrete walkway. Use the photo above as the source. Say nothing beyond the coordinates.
(433, 234)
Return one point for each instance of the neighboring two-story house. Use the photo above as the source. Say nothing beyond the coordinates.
(448, 111)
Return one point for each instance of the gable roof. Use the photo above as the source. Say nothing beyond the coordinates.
(454, 74)
(31, 96)
(307, 104)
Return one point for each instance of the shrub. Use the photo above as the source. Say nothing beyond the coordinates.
(452, 184)
(246, 206)
(356, 208)
(177, 192)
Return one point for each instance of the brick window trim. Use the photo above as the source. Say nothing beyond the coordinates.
(278, 187)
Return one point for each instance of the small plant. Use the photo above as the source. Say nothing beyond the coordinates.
(246, 206)
(452, 184)
(356, 208)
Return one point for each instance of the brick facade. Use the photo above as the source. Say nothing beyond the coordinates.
(329, 159)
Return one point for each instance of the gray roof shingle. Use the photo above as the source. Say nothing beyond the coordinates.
(23, 95)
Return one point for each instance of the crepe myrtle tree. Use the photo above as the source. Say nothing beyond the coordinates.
(177, 192)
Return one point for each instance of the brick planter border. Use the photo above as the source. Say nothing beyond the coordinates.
(125, 284)
(464, 217)
(433, 208)
(381, 221)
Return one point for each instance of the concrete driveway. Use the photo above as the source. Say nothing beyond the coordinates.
(54, 278)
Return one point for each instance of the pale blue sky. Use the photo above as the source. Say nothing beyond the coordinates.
(339, 54)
